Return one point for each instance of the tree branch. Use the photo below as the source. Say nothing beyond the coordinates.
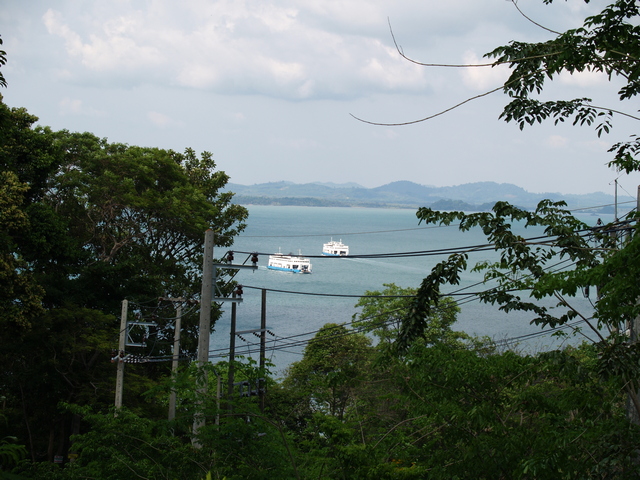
(515, 4)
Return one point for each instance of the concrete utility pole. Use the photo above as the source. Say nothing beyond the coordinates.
(263, 345)
(633, 398)
(119, 357)
(204, 330)
(205, 302)
(176, 356)
(211, 294)
(634, 327)
(232, 355)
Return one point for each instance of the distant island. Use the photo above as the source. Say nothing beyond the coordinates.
(469, 197)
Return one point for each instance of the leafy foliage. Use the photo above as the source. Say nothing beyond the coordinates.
(608, 42)
(85, 224)
(383, 311)
(446, 411)
(3, 61)
(571, 258)
(10, 453)
(334, 364)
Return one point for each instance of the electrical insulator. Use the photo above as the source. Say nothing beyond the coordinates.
(239, 290)
(230, 256)
(254, 258)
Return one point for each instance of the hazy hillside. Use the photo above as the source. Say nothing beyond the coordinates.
(406, 194)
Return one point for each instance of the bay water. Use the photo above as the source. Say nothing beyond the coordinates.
(297, 305)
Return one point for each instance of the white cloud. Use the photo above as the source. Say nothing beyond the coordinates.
(197, 76)
(598, 145)
(116, 47)
(557, 141)
(482, 78)
(74, 106)
(238, 47)
(55, 26)
(70, 106)
(389, 134)
(584, 79)
(159, 119)
(224, 71)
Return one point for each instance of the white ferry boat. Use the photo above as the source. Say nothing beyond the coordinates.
(289, 263)
(335, 249)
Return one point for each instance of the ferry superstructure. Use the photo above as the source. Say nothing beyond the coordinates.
(335, 249)
(289, 263)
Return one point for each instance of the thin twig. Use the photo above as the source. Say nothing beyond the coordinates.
(585, 319)
(515, 4)
(430, 116)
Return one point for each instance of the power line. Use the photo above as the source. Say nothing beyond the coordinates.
(453, 250)
(349, 234)
(344, 234)
(470, 296)
(303, 342)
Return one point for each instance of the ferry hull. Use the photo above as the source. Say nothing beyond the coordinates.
(291, 270)
(288, 263)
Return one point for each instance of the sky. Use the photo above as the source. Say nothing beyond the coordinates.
(271, 88)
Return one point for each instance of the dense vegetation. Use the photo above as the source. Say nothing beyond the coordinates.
(449, 407)
(399, 394)
(86, 224)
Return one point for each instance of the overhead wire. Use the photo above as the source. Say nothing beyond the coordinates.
(426, 227)
(439, 251)
(471, 296)
(304, 342)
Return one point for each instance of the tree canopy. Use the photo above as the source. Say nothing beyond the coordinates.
(608, 42)
(602, 261)
(85, 224)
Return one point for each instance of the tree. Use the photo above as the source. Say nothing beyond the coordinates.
(333, 365)
(141, 211)
(502, 415)
(21, 298)
(383, 311)
(125, 446)
(241, 443)
(608, 42)
(85, 224)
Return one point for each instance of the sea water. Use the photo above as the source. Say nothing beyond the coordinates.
(297, 305)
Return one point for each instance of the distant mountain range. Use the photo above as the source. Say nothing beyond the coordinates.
(479, 196)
